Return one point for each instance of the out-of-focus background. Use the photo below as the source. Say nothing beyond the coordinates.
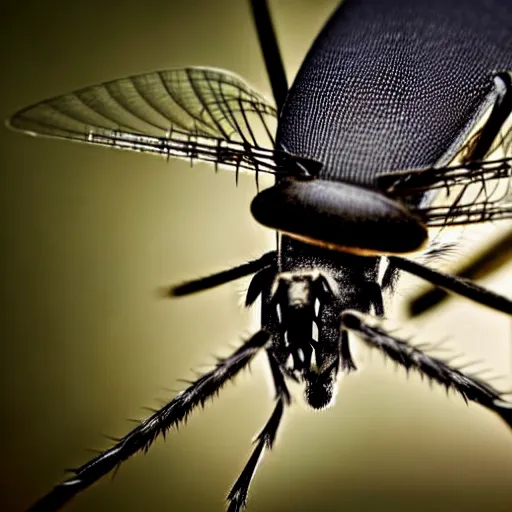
(88, 235)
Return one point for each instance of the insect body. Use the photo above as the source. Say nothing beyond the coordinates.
(384, 100)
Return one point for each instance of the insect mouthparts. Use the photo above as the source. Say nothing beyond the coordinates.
(299, 299)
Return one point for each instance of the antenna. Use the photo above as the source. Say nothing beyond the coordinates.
(270, 50)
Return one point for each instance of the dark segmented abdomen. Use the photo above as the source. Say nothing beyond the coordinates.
(395, 84)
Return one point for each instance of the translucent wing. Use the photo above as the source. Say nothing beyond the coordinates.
(193, 113)
(473, 192)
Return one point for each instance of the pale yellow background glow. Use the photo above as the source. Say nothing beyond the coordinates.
(88, 235)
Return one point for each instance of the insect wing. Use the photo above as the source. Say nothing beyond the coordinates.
(193, 113)
(469, 193)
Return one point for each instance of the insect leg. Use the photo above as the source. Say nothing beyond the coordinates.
(237, 496)
(494, 257)
(270, 50)
(411, 358)
(223, 277)
(455, 284)
(478, 149)
(141, 437)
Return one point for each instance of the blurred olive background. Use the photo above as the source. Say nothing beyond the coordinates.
(88, 235)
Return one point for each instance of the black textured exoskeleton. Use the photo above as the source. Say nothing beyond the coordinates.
(377, 121)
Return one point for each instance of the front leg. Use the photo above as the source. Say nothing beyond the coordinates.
(411, 358)
(237, 496)
(168, 417)
(454, 284)
(496, 255)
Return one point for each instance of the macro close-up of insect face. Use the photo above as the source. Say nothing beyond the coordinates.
(333, 193)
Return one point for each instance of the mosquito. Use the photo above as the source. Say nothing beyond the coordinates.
(374, 128)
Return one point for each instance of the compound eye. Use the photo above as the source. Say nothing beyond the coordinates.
(339, 216)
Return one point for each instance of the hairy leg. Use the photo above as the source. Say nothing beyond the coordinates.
(412, 358)
(141, 437)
